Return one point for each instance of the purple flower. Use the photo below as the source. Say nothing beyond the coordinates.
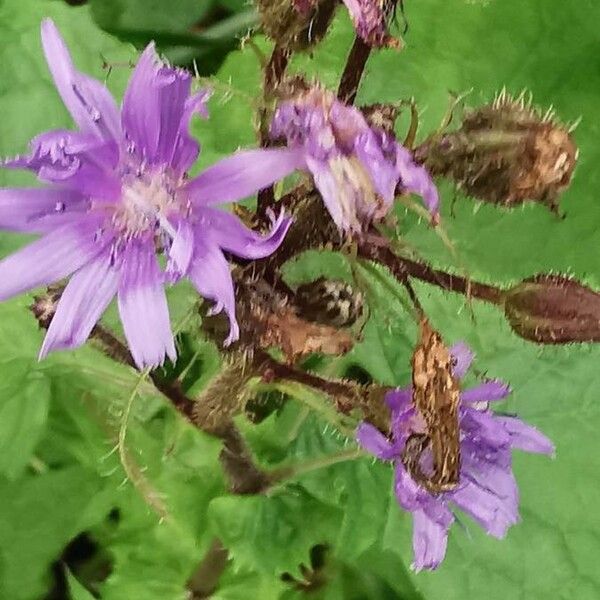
(356, 168)
(119, 195)
(370, 18)
(487, 490)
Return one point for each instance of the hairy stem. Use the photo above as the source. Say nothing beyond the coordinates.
(402, 268)
(353, 71)
(205, 579)
(291, 472)
(273, 75)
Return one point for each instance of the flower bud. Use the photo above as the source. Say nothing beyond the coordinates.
(552, 309)
(296, 24)
(506, 153)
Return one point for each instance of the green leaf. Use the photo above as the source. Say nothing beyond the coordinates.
(24, 400)
(273, 534)
(25, 82)
(38, 516)
(76, 590)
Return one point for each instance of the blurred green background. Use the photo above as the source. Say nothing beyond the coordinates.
(84, 516)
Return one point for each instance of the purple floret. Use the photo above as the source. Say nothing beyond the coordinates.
(356, 168)
(370, 18)
(487, 490)
(118, 196)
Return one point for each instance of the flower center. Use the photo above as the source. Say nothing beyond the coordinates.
(147, 202)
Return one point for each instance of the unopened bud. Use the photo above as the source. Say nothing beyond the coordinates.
(506, 152)
(552, 309)
(296, 24)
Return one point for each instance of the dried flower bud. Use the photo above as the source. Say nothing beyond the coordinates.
(506, 153)
(296, 24)
(552, 309)
(329, 302)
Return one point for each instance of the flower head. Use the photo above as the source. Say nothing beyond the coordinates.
(370, 18)
(487, 490)
(356, 168)
(118, 196)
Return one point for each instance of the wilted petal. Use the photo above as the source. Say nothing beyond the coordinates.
(339, 202)
(143, 307)
(525, 437)
(463, 357)
(368, 148)
(243, 174)
(414, 178)
(38, 210)
(49, 259)
(429, 541)
(373, 441)
(232, 235)
(89, 102)
(81, 305)
(209, 272)
(486, 392)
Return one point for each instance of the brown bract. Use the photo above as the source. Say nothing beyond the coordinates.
(436, 397)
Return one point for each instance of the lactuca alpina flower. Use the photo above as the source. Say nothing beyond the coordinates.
(487, 490)
(356, 168)
(371, 18)
(118, 196)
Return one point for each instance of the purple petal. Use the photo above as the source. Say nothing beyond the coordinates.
(155, 107)
(410, 495)
(80, 162)
(49, 259)
(374, 442)
(143, 307)
(493, 474)
(38, 210)
(429, 541)
(525, 437)
(243, 174)
(233, 236)
(89, 102)
(339, 200)
(383, 172)
(486, 392)
(483, 427)
(493, 513)
(81, 305)
(414, 178)
(463, 357)
(187, 148)
(399, 400)
(210, 275)
(182, 248)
